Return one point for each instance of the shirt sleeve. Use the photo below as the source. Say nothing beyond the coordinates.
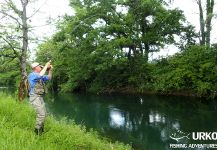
(45, 78)
(36, 77)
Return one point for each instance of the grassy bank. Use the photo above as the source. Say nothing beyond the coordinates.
(17, 121)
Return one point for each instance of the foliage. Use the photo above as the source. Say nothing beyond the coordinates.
(104, 49)
(14, 34)
(194, 69)
(9, 75)
(17, 131)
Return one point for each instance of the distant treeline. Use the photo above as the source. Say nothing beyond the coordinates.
(103, 50)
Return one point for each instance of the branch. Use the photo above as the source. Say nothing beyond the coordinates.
(14, 37)
(13, 7)
(11, 46)
(7, 61)
(24, 2)
(12, 17)
(37, 10)
(42, 25)
(197, 2)
(7, 55)
(2, 18)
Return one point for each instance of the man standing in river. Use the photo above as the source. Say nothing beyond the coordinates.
(37, 90)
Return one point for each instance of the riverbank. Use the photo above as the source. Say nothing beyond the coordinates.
(17, 124)
(134, 91)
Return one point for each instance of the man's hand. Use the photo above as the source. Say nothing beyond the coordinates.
(47, 65)
(50, 68)
(50, 72)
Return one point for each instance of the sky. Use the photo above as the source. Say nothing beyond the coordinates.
(45, 9)
(48, 9)
(190, 10)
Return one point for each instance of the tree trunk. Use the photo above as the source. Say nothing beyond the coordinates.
(23, 56)
(209, 13)
(129, 53)
(205, 24)
(146, 52)
(202, 24)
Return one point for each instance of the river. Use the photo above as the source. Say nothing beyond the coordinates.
(145, 122)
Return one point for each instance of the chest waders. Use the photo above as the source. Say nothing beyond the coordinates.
(37, 101)
(39, 88)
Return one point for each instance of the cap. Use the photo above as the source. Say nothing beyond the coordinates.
(35, 64)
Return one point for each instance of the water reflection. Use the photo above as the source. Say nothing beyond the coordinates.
(155, 118)
(116, 118)
(144, 122)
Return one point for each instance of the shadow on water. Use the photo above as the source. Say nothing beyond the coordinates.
(145, 122)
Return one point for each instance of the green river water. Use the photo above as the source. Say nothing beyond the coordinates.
(145, 122)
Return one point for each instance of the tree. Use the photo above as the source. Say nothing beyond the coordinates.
(155, 26)
(205, 22)
(106, 48)
(14, 33)
(9, 10)
(8, 70)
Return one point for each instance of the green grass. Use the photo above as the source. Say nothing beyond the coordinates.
(17, 121)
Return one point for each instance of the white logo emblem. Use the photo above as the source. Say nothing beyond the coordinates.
(178, 135)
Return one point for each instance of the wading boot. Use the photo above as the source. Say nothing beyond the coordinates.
(36, 131)
(39, 131)
(42, 129)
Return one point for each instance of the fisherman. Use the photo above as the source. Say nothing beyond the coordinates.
(37, 79)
